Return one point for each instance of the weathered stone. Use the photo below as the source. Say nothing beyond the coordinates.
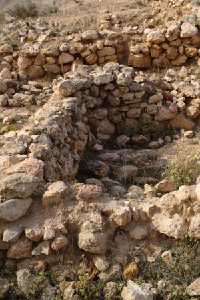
(6, 49)
(52, 69)
(65, 58)
(135, 192)
(29, 166)
(140, 60)
(59, 243)
(138, 232)
(24, 62)
(91, 59)
(121, 215)
(35, 72)
(27, 283)
(106, 51)
(12, 233)
(179, 61)
(101, 78)
(18, 185)
(135, 292)
(122, 140)
(173, 31)
(89, 192)
(155, 36)
(42, 248)
(106, 127)
(172, 226)
(193, 110)
(34, 233)
(101, 263)
(194, 288)
(92, 236)
(167, 257)
(5, 74)
(182, 122)
(56, 193)
(90, 35)
(21, 249)
(191, 51)
(3, 87)
(165, 186)
(188, 30)
(14, 209)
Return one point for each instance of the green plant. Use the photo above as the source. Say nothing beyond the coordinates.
(88, 289)
(178, 274)
(149, 127)
(184, 169)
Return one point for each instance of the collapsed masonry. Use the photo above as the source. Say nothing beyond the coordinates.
(42, 205)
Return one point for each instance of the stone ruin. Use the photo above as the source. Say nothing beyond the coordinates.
(73, 171)
(174, 45)
(40, 163)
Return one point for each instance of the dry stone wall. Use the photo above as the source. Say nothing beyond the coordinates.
(39, 198)
(173, 45)
(170, 46)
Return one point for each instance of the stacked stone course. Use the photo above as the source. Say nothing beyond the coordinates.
(173, 45)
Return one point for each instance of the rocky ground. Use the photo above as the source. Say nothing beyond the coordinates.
(99, 151)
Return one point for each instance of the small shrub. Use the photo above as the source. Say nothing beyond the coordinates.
(184, 169)
(24, 9)
(27, 8)
(149, 127)
(88, 289)
(183, 270)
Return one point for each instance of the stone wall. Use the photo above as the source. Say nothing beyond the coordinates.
(38, 192)
(58, 56)
(171, 46)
